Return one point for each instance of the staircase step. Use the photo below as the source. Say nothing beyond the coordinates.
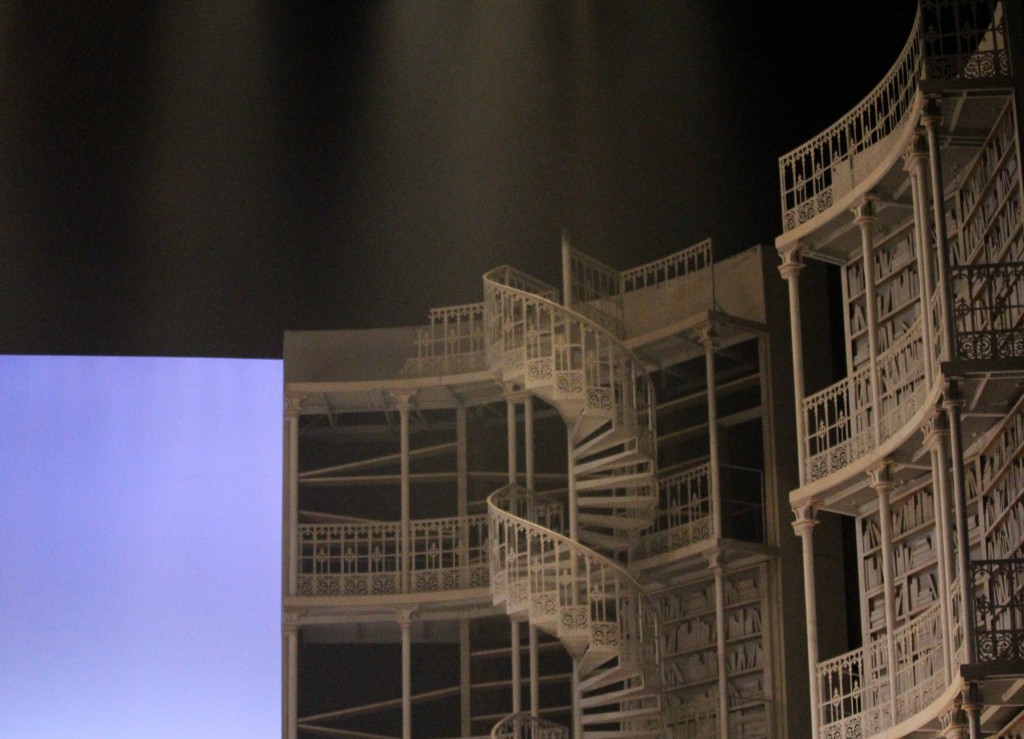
(610, 461)
(605, 541)
(595, 657)
(617, 501)
(613, 696)
(586, 444)
(607, 717)
(611, 521)
(634, 479)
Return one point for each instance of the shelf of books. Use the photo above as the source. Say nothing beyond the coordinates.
(691, 656)
(996, 473)
(896, 295)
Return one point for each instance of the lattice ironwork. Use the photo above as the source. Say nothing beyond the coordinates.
(988, 310)
(999, 611)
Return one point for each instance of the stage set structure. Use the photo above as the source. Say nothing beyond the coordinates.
(644, 502)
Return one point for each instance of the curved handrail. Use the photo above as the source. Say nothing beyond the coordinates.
(492, 283)
(524, 726)
(646, 612)
(808, 177)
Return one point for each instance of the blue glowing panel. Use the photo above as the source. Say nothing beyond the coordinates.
(140, 548)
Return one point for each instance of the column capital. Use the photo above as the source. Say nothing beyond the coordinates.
(864, 210)
(806, 518)
(402, 398)
(952, 396)
(935, 426)
(792, 259)
(931, 116)
(716, 560)
(293, 403)
(917, 151)
(706, 335)
(403, 617)
(881, 477)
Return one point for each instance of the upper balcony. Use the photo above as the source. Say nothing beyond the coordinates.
(955, 50)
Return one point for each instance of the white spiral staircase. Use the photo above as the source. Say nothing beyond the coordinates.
(561, 579)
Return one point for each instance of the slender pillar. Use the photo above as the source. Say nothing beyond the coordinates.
(915, 160)
(574, 531)
(577, 711)
(462, 492)
(290, 707)
(972, 707)
(290, 535)
(566, 270)
(465, 678)
(806, 520)
(940, 429)
(931, 120)
(953, 404)
(943, 541)
(708, 341)
(406, 551)
(532, 634)
(792, 263)
(517, 672)
(715, 565)
(513, 478)
(865, 218)
(405, 622)
(882, 486)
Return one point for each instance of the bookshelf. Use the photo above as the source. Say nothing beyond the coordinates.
(997, 477)
(691, 655)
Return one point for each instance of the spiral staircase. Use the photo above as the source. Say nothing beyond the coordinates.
(561, 576)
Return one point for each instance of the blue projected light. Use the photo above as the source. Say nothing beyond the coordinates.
(140, 548)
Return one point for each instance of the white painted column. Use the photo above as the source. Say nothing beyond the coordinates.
(290, 517)
(882, 486)
(574, 528)
(513, 478)
(790, 268)
(513, 462)
(406, 547)
(806, 520)
(534, 659)
(517, 671)
(404, 623)
(715, 565)
(953, 404)
(566, 270)
(707, 339)
(465, 678)
(577, 711)
(290, 653)
(931, 431)
(865, 218)
(944, 492)
(931, 120)
(972, 707)
(915, 160)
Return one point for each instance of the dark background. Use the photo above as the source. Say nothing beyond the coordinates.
(194, 178)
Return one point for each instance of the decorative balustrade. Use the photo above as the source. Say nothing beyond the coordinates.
(839, 425)
(988, 310)
(525, 726)
(596, 292)
(965, 40)
(999, 612)
(452, 342)
(590, 599)
(920, 670)
(366, 558)
(685, 514)
(691, 259)
(550, 346)
(853, 693)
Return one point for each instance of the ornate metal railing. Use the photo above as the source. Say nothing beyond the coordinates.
(545, 345)
(988, 310)
(966, 39)
(691, 259)
(853, 693)
(452, 342)
(366, 558)
(591, 600)
(685, 514)
(596, 291)
(525, 726)
(999, 612)
(920, 671)
(839, 425)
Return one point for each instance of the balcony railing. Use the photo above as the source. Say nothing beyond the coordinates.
(853, 688)
(685, 514)
(366, 558)
(988, 310)
(525, 726)
(999, 613)
(452, 342)
(691, 259)
(961, 40)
